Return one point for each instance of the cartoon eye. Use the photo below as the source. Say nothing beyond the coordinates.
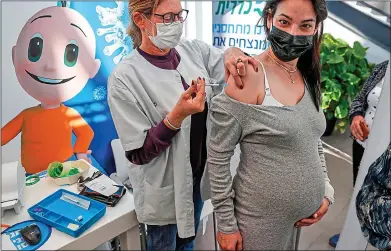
(35, 47)
(71, 53)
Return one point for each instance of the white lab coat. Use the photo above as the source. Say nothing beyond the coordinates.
(140, 95)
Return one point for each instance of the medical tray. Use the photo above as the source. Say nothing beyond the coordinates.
(65, 214)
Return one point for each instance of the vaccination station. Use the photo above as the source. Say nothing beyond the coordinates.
(195, 125)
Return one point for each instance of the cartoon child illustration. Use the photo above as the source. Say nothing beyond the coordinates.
(54, 57)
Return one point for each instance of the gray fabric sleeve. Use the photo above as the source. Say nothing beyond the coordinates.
(329, 190)
(224, 136)
(131, 123)
(213, 59)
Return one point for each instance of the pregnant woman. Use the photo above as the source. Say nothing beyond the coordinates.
(281, 181)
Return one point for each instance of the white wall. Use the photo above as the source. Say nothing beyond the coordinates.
(13, 98)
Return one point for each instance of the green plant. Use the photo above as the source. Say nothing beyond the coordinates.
(344, 71)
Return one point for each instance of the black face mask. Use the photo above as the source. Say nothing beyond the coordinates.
(287, 47)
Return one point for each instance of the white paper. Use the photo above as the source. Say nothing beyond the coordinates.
(204, 224)
(102, 185)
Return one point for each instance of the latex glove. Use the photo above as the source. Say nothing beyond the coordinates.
(84, 156)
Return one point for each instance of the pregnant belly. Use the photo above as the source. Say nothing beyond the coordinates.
(292, 195)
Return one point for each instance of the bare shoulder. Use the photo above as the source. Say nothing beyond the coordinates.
(253, 84)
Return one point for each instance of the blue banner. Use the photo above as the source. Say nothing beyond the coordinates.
(109, 20)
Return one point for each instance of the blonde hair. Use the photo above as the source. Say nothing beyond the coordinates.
(142, 6)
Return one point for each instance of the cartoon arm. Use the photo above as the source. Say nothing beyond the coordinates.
(84, 135)
(11, 129)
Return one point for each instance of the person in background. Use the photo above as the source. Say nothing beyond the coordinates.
(158, 97)
(281, 181)
(361, 115)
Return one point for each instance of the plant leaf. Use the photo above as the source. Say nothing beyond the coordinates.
(354, 80)
(351, 91)
(342, 51)
(344, 70)
(331, 71)
(342, 123)
(325, 102)
(363, 64)
(336, 95)
(335, 59)
(329, 115)
(342, 130)
(341, 68)
(324, 76)
(342, 43)
(323, 57)
(358, 50)
(344, 76)
(341, 111)
(335, 91)
(365, 75)
(351, 67)
(350, 78)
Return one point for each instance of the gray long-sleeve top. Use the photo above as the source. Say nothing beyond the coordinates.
(281, 158)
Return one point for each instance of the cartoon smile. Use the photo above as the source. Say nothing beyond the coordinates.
(49, 81)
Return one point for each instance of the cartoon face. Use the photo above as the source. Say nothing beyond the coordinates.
(55, 55)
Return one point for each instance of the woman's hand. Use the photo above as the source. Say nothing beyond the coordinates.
(355, 127)
(230, 241)
(252, 89)
(191, 101)
(317, 216)
(235, 63)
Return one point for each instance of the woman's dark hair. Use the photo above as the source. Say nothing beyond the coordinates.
(309, 62)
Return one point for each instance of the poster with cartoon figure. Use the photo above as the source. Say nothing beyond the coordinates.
(62, 58)
(109, 21)
(53, 65)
